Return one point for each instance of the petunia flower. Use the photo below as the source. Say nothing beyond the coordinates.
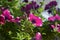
(17, 20)
(11, 18)
(2, 19)
(57, 17)
(52, 18)
(38, 36)
(56, 27)
(37, 21)
(8, 16)
(6, 13)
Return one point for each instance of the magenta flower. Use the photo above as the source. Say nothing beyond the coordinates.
(6, 13)
(52, 18)
(11, 19)
(38, 36)
(2, 19)
(8, 16)
(37, 21)
(17, 20)
(56, 27)
(52, 26)
(57, 17)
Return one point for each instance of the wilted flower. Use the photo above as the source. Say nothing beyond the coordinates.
(47, 7)
(53, 3)
(2, 19)
(34, 5)
(23, 9)
(38, 36)
(50, 5)
(28, 7)
(37, 21)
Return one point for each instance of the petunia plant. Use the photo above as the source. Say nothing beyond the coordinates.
(23, 20)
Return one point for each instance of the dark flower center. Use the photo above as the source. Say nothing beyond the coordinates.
(25, 1)
(9, 0)
(49, 11)
(6, 17)
(58, 27)
(33, 21)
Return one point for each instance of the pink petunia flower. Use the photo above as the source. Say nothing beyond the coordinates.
(11, 18)
(52, 18)
(57, 17)
(56, 28)
(52, 26)
(6, 13)
(8, 16)
(2, 19)
(38, 36)
(17, 19)
(37, 21)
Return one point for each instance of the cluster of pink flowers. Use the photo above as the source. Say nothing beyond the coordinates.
(53, 18)
(6, 16)
(36, 21)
